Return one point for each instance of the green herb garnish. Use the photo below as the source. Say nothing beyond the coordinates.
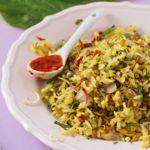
(75, 104)
(115, 142)
(69, 74)
(65, 126)
(127, 35)
(49, 106)
(109, 30)
(139, 90)
(61, 44)
(78, 21)
(129, 58)
(148, 74)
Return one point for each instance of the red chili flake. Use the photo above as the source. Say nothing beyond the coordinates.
(78, 61)
(100, 33)
(85, 45)
(40, 38)
(82, 118)
(148, 44)
(49, 48)
(148, 126)
(95, 39)
(30, 72)
(106, 85)
(79, 83)
(96, 52)
(85, 92)
(109, 95)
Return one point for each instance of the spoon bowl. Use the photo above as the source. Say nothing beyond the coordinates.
(43, 74)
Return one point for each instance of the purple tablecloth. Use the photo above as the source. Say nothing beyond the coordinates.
(12, 134)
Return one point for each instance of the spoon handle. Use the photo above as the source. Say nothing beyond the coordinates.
(87, 23)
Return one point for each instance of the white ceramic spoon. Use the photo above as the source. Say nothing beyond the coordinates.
(66, 49)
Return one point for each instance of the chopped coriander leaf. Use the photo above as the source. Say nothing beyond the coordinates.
(78, 21)
(109, 30)
(115, 142)
(65, 126)
(61, 44)
(127, 35)
(128, 58)
(75, 103)
(69, 74)
(139, 90)
(49, 106)
(148, 74)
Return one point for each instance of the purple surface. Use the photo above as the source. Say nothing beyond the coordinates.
(12, 134)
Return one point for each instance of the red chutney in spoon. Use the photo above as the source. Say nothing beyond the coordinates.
(47, 63)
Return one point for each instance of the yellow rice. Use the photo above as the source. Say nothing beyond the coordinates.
(104, 90)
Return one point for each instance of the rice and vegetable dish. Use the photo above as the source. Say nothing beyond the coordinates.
(104, 89)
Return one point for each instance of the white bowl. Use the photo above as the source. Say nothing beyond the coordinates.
(18, 85)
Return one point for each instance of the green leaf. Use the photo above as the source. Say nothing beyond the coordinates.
(65, 126)
(25, 13)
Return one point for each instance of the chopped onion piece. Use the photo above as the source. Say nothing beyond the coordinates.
(81, 96)
(111, 88)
